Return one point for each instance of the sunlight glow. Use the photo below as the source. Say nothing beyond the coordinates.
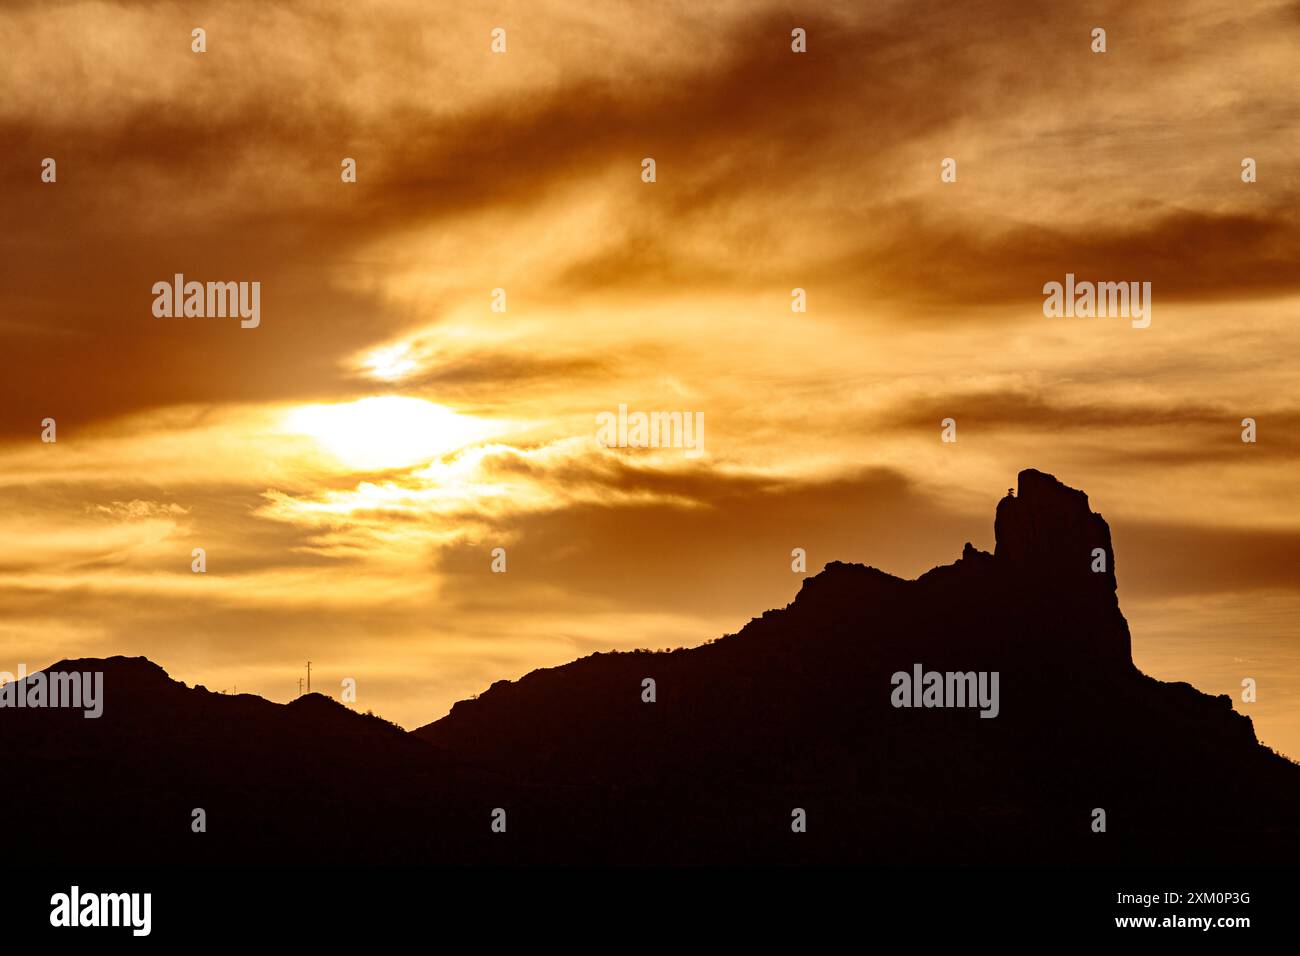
(390, 431)
(391, 362)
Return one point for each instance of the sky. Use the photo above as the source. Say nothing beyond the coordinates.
(349, 465)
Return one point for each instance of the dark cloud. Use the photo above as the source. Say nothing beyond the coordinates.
(749, 122)
(724, 547)
(1179, 431)
(490, 376)
(1187, 256)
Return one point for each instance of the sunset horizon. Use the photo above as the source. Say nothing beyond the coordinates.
(425, 355)
(437, 338)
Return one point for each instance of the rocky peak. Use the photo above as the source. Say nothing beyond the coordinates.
(1047, 532)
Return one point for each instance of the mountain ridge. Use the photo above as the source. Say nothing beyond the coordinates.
(795, 713)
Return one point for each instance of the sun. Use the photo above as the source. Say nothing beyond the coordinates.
(389, 431)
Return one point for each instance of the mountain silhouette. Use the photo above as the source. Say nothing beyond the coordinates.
(795, 717)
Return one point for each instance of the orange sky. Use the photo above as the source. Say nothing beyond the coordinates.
(350, 464)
